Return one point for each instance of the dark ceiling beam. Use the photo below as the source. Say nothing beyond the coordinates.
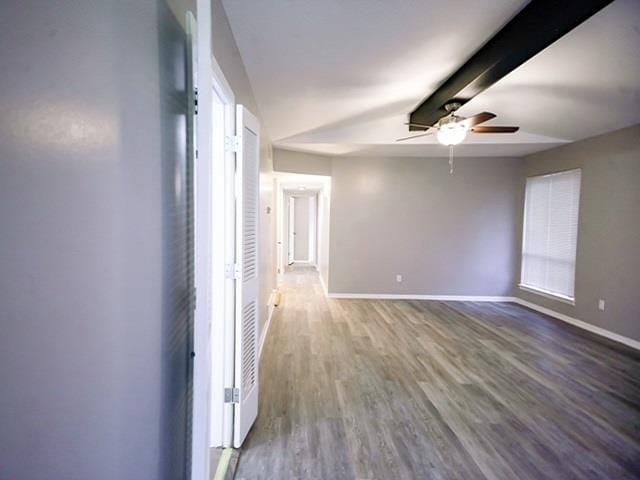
(534, 28)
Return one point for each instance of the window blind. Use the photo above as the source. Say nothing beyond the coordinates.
(550, 233)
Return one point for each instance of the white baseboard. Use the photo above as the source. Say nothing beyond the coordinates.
(445, 298)
(324, 286)
(579, 323)
(265, 330)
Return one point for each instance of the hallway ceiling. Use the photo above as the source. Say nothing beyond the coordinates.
(340, 77)
(296, 181)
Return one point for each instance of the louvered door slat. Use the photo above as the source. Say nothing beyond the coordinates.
(247, 288)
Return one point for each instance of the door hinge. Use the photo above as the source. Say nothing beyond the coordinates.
(231, 143)
(231, 395)
(232, 270)
(194, 297)
(195, 101)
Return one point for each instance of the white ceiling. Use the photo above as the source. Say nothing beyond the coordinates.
(340, 76)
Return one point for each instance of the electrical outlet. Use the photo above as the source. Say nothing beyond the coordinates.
(601, 304)
(398, 278)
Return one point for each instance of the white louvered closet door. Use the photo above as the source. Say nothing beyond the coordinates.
(247, 283)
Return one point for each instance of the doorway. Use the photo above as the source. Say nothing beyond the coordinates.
(225, 149)
(301, 227)
(302, 223)
(213, 123)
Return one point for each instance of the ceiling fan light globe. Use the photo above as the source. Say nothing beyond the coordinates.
(451, 134)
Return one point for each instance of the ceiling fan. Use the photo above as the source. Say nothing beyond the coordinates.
(452, 129)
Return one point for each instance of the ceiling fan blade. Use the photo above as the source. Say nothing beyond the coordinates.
(478, 119)
(419, 125)
(413, 136)
(490, 129)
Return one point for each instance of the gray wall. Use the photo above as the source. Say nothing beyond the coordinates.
(93, 286)
(608, 253)
(300, 162)
(228, 57)
(446, 234)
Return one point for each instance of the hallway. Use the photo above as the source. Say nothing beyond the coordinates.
(373, 389)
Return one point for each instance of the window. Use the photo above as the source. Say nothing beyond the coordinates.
(550, 234)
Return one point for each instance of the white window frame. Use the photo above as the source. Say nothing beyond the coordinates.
(537, 290)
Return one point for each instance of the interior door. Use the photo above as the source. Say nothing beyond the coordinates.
(302, 230)
(291, 240)
(247, 285)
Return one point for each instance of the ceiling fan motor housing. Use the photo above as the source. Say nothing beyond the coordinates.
(452, 118)
(452, 105)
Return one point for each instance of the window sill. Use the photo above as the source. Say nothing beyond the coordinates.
(552, 296)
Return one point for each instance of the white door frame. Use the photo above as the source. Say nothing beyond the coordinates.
(302, 204)
(280, 254)
(291, 240)
(313, 228)
(290, 196)
(223, 312)
(202, 270)
(212, 420)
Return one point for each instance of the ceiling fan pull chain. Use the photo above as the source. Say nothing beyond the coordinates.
(450, 159)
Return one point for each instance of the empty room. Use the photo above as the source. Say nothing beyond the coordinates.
(477, 315)
(324, 240)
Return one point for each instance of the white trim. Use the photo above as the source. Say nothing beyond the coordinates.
(213, 324)
(313, 227)
(223, 321)
(265, 330)
(324, 286)
(204, 269)
(219, 81)
(547, 294)
(304, 262)
(555, 174)
(579, 323)
(312, 215)
(447, 298)
(280, 203)
(291, 213)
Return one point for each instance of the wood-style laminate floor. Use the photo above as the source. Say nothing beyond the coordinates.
(373, 389)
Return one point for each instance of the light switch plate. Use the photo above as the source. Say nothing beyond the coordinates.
(601, 304)
(398, 278)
